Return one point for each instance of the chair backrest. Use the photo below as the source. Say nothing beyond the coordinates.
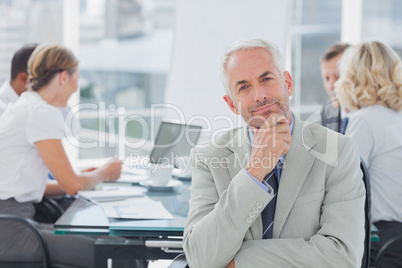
(367, 215)
(386, 248)
(48, 210)
(42, 243)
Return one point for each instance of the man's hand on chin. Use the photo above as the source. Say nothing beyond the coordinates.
(270, 142)
(231, 264)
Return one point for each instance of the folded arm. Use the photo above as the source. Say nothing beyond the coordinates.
(217, 225)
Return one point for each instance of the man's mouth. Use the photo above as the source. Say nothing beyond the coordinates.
(264, 109)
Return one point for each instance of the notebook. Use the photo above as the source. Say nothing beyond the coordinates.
(108, 195)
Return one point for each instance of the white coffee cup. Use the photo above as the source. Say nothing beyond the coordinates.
(184, 167)
(160, 174)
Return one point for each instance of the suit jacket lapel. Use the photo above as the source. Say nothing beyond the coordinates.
(297, 165)
(241, 149)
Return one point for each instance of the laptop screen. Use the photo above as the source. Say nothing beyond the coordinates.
(174, 140)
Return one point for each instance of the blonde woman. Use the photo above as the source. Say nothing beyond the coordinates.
(30, 146)
(370, 85)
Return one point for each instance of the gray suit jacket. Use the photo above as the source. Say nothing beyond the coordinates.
(319, 218)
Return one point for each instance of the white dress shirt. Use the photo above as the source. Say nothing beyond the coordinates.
(7, 95)
(23, 174)
(377, 132)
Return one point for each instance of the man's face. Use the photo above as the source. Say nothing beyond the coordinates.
(258, 88)
(329, 73)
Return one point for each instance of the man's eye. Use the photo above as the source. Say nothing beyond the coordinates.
(265, 79)
(243, 87)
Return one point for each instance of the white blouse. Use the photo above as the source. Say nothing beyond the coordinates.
(23, 174)
(377, 131)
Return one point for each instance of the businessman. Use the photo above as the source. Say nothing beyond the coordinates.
(11, 89)
(278, 192)
(332, 115)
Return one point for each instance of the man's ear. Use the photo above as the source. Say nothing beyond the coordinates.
(23, 77)
(288, 83)
(231, 104)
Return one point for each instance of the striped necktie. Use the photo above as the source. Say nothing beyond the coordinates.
(269, 211)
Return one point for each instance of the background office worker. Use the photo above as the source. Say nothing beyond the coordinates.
(332, 115)
(370, 85)
(11, 90)
(30, 146)
(16, 85)
(319, 213)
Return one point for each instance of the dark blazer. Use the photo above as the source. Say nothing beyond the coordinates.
(331, 117)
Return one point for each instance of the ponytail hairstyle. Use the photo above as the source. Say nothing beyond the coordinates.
(48, 60)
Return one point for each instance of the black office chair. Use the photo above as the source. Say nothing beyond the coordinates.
(48, 210)
(385, 249)
(29, 224)
(11, 220)
(367, 216)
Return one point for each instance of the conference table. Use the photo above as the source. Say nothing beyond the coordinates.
(143, 239)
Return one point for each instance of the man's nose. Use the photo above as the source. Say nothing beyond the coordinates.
(332, 82)
(259, 93)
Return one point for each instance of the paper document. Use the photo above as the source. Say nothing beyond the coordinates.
(107, 195)
(136, 208)
(135, 169)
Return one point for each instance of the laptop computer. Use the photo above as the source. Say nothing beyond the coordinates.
(173, 141)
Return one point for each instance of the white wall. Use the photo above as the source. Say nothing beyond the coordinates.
(204, 30)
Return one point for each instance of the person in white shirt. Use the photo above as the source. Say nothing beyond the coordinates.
(10, 91)
(370, 85)
(13, 88)
(30, 146)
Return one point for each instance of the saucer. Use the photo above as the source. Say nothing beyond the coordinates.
(180, 174)
(171, 186)
(131, 178)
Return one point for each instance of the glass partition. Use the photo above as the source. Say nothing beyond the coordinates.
(125, 50)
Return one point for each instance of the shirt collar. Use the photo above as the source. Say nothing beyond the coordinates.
(9, 92)
(344, 114)
(282, 158)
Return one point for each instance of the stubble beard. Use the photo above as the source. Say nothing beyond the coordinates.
(257, 121)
